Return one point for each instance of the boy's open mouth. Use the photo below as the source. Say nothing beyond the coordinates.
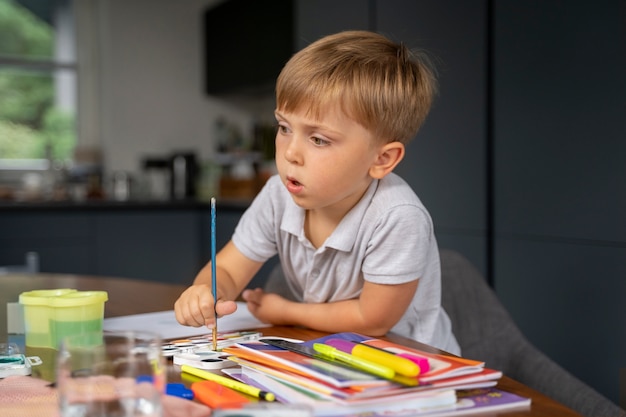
(294, 186)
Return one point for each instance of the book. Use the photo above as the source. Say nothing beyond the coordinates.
(440, 404)
(329, 382)
(444, 370)
(327, 391)
(275, 357)
(311, 385)
(483, 401)
(441, 366)
(451, 386)
(408, 404)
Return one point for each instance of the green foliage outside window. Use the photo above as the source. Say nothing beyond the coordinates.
(29, 120)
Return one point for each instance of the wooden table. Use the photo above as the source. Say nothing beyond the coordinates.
(127, 296)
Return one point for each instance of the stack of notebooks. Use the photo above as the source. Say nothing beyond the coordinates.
(316, 374)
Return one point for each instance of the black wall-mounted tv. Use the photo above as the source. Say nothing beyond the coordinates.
(246, 44)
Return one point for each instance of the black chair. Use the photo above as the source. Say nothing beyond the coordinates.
(486, 332)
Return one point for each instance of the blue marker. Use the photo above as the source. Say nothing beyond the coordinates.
(176, 390)
(179, 390)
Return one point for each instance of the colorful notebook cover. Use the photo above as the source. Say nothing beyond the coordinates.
(441, 366)
(332, 374)
(397, 405)
(327, 391)
(483, 401)
(335, 391)
(438, 403)
(445, 371)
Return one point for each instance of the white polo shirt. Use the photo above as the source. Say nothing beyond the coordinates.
(387, 238)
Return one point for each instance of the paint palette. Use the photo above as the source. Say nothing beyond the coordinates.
(203, 359)
(204, 344)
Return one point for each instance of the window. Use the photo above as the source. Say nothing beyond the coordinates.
(38, 80)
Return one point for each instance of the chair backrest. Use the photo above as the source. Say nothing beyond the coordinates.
(485, 331)
(30, 266)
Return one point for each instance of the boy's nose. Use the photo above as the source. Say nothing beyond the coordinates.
(292, 152)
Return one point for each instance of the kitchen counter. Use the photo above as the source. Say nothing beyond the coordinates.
(165, 241)
(187, 204)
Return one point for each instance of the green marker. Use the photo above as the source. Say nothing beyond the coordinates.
(362, 364)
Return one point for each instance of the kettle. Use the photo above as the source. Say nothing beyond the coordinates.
(183, 175)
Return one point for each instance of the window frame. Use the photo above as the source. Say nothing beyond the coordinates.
(84, 33)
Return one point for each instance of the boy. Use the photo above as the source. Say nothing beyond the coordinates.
(356, 245)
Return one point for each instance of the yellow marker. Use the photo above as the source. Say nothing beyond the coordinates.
(229, 382)
(399, 364)
(365, 365)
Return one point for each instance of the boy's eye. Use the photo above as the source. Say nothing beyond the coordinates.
(319, 141)
(282, 129)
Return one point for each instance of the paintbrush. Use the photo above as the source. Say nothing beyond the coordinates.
(213, 276)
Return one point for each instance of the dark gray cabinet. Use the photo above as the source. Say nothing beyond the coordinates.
(315, 19)
(159, 245)
(63, 240)
(166, 244)
(245, 44)
(560, 194)
(446, 163)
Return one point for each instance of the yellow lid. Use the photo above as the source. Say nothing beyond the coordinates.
(42, 297)
(63, 297)
(79, 298)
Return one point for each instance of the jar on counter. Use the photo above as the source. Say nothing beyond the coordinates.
(121, 185)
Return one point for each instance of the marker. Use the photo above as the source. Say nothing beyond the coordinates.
(230, 383)
(365, 365)
(174, 389)
(179, 390)
(216, 395)
(399, 364)
(213, 268)
(420, 361)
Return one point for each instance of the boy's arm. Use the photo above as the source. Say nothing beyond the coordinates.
(375, 312)
(234, 271)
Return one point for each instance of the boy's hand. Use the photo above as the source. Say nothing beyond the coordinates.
(267, 307)
(194, 307)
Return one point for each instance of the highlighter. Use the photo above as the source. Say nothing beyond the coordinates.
(358, 363)
(402, 366)
(217, 396)
(420, 361)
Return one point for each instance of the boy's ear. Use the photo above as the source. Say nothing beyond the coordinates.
(389, 156)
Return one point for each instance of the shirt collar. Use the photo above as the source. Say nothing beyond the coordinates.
(344, 236)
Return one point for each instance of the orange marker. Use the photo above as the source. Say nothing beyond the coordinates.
(217, 396)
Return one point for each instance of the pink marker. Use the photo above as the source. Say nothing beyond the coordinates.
(421, 361)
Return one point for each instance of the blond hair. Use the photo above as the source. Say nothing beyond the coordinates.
(376, 82)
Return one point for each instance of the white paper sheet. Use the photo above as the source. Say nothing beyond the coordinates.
(165, 324)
